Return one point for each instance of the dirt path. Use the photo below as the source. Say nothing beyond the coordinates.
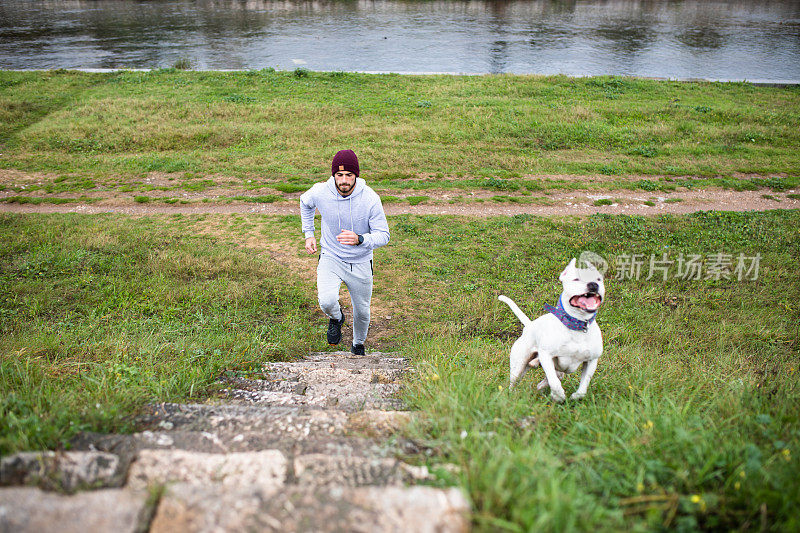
(440, 203)
(302, 447)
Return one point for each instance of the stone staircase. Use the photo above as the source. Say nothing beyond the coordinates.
(302, 450)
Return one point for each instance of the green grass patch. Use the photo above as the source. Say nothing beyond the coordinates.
(482, 131)
(263, 199)
(691, 421)
(36, 200)
(290, 187)
(416, 200)
(603, 201)
(101, 314)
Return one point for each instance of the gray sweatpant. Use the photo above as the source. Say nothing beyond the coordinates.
(331, 272)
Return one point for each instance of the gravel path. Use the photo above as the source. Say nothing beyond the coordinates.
(579, 203)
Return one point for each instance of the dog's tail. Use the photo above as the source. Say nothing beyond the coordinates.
(517, 311)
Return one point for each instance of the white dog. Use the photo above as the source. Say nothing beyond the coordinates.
(566, 337)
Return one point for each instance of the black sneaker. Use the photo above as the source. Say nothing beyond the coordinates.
(357, 349)
(335, 330)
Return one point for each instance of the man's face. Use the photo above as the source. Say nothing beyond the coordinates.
(345, 181)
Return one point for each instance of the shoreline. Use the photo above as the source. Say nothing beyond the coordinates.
(757, 81)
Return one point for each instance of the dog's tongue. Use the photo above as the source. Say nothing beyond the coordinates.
(589, 303)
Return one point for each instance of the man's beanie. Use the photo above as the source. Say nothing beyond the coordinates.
(345, 160)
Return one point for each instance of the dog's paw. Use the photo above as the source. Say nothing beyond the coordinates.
(577, 396)
(558, 395)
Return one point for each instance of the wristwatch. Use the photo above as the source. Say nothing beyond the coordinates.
(360, 239)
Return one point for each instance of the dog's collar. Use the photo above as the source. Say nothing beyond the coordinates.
(568, 320)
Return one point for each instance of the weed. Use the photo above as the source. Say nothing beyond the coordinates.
(182, 64)
(416, 200)
(264, 199)
(290, 187)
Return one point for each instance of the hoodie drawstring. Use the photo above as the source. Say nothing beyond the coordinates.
(350, 201)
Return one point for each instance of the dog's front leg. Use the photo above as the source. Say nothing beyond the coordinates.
(586, 376)
(556, 390)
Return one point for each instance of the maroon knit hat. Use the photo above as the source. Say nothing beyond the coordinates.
(345, 160)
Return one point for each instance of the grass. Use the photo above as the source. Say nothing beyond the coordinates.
(99, 315)
(603, 201)
(690, 423)
(504, 133)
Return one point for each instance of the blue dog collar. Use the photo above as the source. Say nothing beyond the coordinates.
(568, 320)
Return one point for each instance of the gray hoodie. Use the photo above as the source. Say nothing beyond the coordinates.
(361, 212)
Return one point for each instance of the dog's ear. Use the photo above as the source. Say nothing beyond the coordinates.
(567, 271)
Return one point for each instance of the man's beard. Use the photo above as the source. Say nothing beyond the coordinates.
(345, 188)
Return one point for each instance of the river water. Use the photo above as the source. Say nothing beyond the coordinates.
(712, 39)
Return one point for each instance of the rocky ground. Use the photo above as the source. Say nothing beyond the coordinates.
(313, 446)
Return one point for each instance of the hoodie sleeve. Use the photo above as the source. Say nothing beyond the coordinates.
(378, 227)
(308, 207)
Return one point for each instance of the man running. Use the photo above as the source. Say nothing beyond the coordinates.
(353, 224)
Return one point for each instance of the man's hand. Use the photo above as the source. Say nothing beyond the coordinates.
(311, 245)
(347, 237)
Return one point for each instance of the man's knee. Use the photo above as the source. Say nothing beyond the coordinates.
(329, 303)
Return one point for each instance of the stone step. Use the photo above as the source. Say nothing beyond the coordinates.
(346, 471)
(383, 358)
(32, 510)
(63, 471)
(266, 469)
(240, 418)
(325, 431)
(344, 382)
(420, 509)
(358, 365)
